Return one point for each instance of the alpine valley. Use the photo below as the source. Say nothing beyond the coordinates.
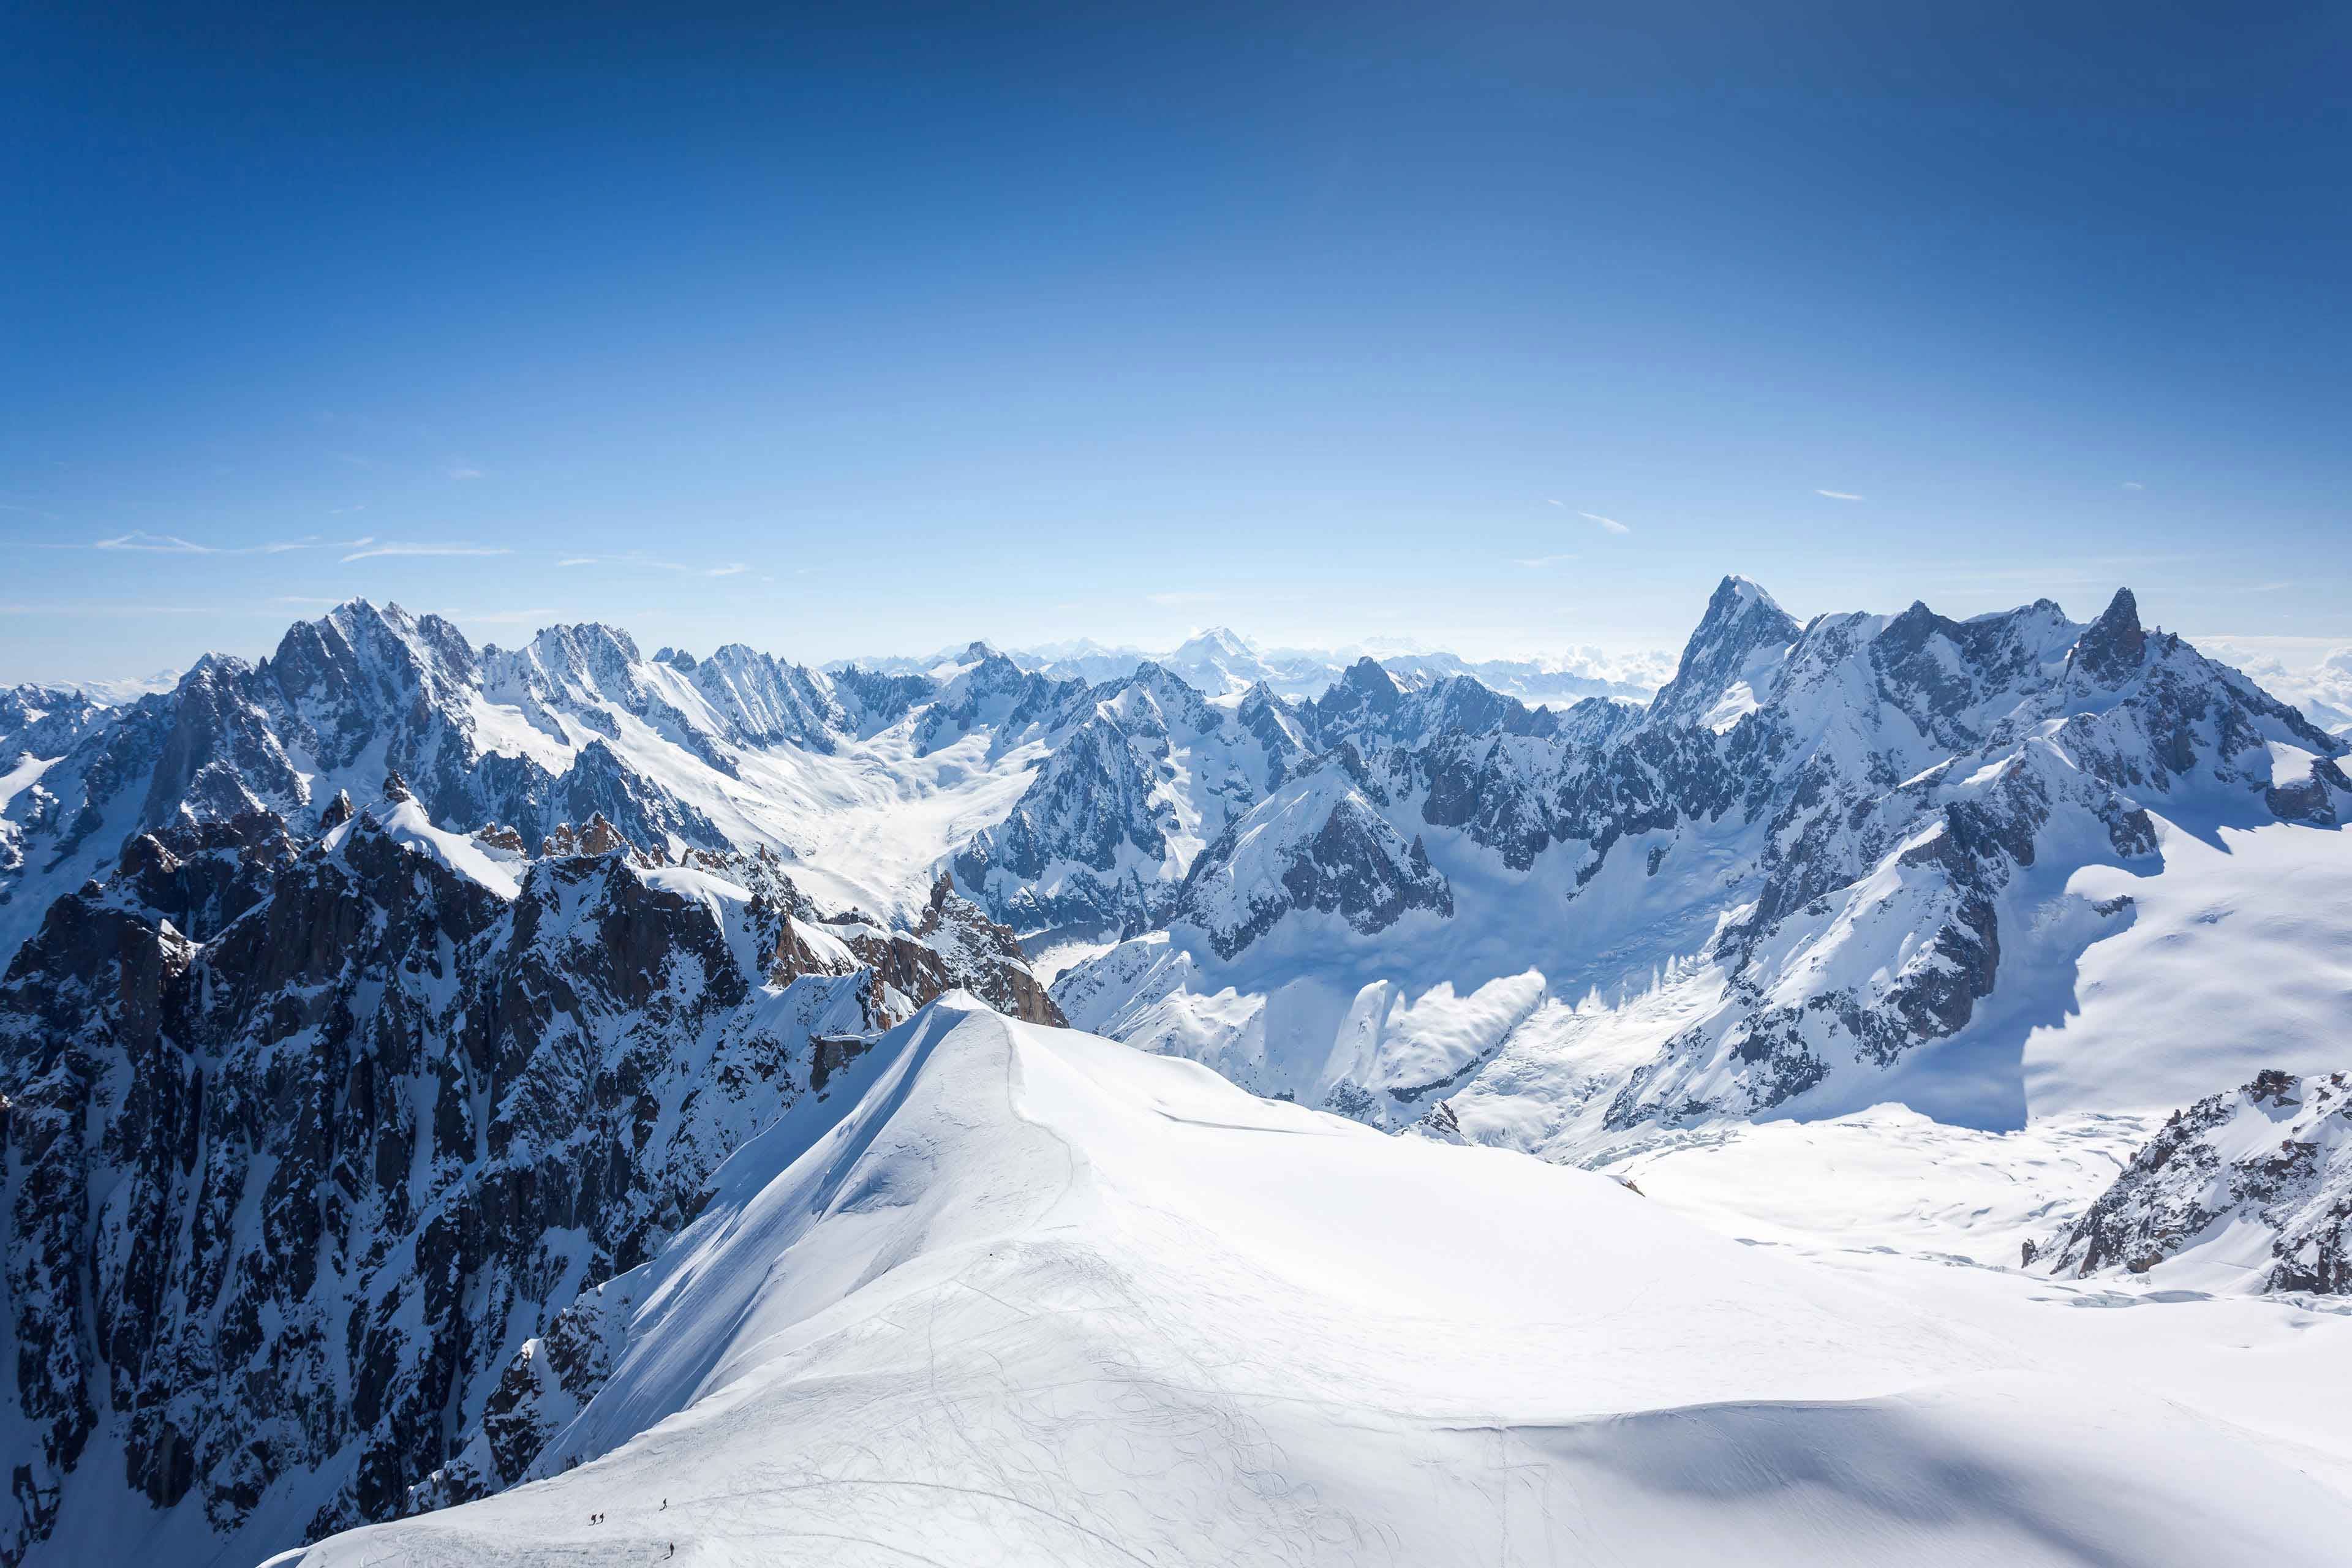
(1867, 1090)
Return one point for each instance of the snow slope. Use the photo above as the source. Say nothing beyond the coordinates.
(1011, 1295)
(1887, 1180)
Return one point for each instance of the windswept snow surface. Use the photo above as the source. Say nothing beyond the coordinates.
(1011, 1295)
(1887, 1181)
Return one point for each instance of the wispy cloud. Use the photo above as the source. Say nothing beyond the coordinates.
(393, 547)
(139, 540)
(1610, 524)
(2133, 485)
(1541, 559)
(346, 510)
(1558, 503)
(1838, 495)
(465, 471)
(731, 569)
(163, 544)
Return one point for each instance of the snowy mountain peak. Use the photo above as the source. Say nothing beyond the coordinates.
(2113, 646)
(1742, 626)
(1216, 642)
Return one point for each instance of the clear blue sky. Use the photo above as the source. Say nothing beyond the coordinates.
(1322, 323)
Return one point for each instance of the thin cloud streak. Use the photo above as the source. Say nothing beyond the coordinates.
(1838, 495)
(731, 569)
(373, 550)
(1610, 524)
(139, 540)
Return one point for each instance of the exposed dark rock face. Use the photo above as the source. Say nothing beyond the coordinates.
(1098, 836)
(304, 1145)
(2113, 646)
(360, 689)
(1321, 846)
(1741, 621)
(44, 721)
(769, 701)
(998, 695)
(978, 955)
(2271, 1162)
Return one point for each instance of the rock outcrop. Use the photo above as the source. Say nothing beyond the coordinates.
(306, 1144)
(2248, 1190)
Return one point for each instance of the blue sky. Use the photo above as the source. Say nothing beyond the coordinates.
(1325, 323)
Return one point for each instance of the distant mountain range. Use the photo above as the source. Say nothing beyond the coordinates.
(1222, 663)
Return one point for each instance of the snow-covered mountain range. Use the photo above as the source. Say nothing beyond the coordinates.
(426, 1066)
(1220, 662)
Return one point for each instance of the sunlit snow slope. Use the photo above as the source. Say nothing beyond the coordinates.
(1011, 1295)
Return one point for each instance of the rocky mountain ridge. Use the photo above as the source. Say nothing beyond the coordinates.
(2250, 1190)
(304, 1142)
(1818, 836)
(1221, 662)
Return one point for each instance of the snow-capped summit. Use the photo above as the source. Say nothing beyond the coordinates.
(1741, 632)
(1216, 642)
(1218, 661)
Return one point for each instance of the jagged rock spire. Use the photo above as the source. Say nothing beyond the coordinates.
(2113, 645)
(395, 788)
(1741, 618)
(597, 835)
(338, 810)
